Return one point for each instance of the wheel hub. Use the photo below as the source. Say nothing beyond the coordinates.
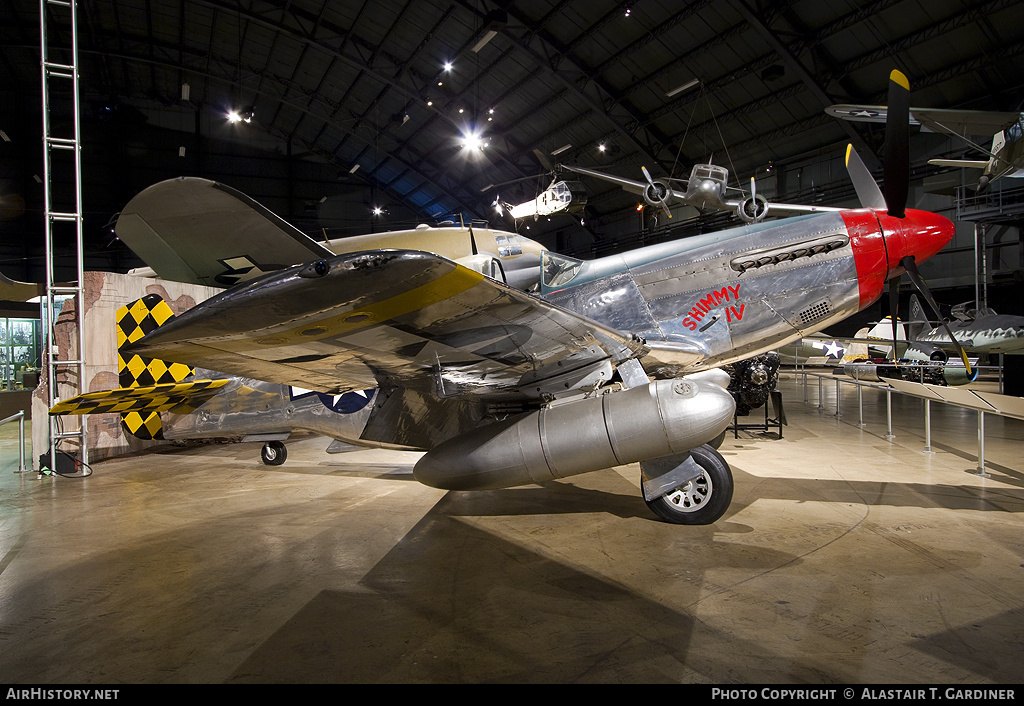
(692, 495)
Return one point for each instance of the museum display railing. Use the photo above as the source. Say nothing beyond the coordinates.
(20, 416)
(981, 402)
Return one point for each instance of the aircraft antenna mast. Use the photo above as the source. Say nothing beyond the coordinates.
(62, 187)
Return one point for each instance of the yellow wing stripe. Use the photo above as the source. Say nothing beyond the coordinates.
(445, 287)
(179, 397)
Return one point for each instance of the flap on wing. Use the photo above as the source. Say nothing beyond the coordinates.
(682, 355)
(181, 397)
(199, 231)
(396, 317)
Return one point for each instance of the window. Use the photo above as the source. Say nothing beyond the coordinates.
(19, 353)
(558, 270)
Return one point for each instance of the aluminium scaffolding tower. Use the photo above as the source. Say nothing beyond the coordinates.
(62, 185)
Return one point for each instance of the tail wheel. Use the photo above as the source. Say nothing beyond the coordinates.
(702, 500)
(274, 453)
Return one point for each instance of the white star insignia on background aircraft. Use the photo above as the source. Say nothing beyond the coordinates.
(613, 363)
(1005, 158)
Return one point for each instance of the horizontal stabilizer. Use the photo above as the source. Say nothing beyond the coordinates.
(180, 398)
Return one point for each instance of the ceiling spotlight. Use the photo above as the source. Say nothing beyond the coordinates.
(377, 210)
(474, 142)
(244, 116)
(430, 103)
(447, 66)
(601, 147)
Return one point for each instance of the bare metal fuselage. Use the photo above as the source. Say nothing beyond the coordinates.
(698, 304)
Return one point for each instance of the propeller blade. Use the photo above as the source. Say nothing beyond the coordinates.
(910, 265)
(896, 159)
(863, 183)
(894, 305)
(654, 189)
(753, 188)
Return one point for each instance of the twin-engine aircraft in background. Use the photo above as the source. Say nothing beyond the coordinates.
(707, 190)
(613, 362)
(1005, 158)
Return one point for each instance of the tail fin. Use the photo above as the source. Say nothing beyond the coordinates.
(133, 321)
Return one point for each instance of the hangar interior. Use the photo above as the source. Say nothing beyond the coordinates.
(853, 552)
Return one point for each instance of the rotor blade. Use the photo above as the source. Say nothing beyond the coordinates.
(863, 183)
(910, 265)
(896, 160)
(512, 181)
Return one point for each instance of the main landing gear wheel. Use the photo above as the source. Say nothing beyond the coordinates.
(274, 453)
(702, 500)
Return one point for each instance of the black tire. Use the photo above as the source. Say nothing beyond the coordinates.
(273, 453)
(702, 500)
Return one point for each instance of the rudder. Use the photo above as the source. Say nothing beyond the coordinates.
(133, 321)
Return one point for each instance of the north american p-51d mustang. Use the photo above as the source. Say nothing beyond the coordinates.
(706, 190)
(613, 363)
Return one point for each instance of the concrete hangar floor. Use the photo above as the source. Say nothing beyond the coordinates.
(846, 557)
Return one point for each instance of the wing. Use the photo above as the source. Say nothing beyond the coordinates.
(439, 339)
(180, 398)
(634, 187)
(199, 231)
(787, 208)
(970, 122)
(14, 291)
(964, 163)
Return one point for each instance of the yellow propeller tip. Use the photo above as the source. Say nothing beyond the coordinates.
(898, 77)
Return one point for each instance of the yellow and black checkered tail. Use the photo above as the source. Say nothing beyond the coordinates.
(134, 321)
